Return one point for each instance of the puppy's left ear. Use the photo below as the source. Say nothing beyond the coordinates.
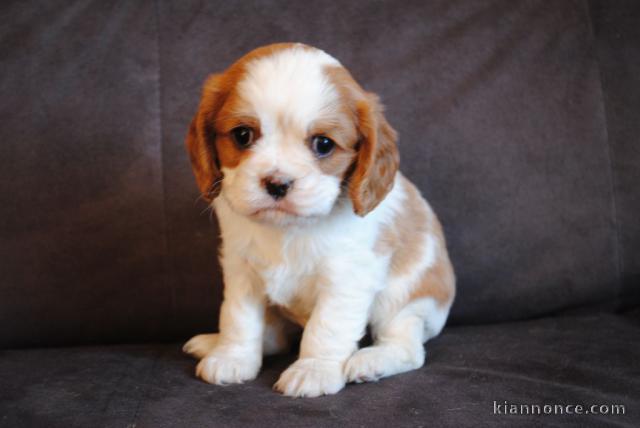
(377, 160)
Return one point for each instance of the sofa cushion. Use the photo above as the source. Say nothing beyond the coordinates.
(570, 360)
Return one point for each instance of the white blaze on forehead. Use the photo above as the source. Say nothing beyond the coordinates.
(290, 84)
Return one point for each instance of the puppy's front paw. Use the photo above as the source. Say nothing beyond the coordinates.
(221, 368)
(200, 345)
(311, 377)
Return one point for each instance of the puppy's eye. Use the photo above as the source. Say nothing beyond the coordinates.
(242, 136)
(322, 146)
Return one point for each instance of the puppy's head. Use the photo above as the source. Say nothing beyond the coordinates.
(286, 132)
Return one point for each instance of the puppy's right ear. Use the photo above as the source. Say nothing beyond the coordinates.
(201, 139)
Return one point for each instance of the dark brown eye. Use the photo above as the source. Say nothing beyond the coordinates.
(322, 146)
(242, 136)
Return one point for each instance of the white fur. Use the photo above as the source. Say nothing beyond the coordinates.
(321, 263)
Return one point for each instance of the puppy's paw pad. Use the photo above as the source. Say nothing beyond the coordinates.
(311, 377)
(223, 370)
(370, 364)
(199, 346)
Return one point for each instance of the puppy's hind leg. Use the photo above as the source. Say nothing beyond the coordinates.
(278, 332)
(398, 345)
(200, 345)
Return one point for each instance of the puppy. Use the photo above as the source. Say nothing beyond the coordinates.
(318, 226)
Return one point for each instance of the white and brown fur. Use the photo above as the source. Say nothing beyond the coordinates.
(352, 244)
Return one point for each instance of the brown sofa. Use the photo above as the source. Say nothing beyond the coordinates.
(518, 120)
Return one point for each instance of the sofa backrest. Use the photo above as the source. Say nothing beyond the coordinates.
(503, 125)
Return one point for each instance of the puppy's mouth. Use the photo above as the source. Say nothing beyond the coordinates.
(278, 210)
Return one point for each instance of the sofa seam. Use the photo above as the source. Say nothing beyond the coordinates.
(618, 261)
(166, 265)
(144, 394)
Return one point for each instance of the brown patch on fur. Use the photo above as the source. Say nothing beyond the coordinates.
(293, 316)
(208, 146)
(438, 282)
(338, 163)
(378, 158)
(404, 238)
(229, 154)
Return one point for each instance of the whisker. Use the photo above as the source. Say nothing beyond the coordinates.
(209, 207)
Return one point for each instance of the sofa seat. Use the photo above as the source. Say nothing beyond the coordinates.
(579, 359)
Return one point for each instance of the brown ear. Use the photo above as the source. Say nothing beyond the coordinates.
(200, 140)
(378, 158)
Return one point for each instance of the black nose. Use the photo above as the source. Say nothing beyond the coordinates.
(277, 188)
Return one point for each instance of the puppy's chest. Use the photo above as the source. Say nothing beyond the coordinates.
(292, 290)
(290, 269)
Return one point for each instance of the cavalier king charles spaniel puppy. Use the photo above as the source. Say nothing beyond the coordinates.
(319, 228)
